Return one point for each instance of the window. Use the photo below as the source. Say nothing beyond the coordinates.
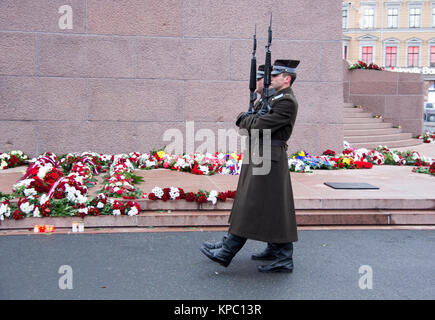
(433, 17)
(345, 52)
(414, 17)
(392, 18)
(344, 13)
(390, 56)
(413, 56)
(367, 54)
(432, 56)
(368, 17)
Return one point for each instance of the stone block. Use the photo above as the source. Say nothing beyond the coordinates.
(404, 107)
(365, 75)
(306, 137)
(41, 15)
(414, 88)
(85, 56)
(331, 137)
(319, 102)
(24, 141)
(203, 59)
(151, 135)
(27, 98)
(374, 104)
(307, 20)
(136, 17)
(17, 53)
(135, 100)
(373, 87)
(215, 101)
(231, 19)
(79, 136)
(330, 63)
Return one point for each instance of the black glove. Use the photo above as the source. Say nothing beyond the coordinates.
(246, 114)
(261, 112)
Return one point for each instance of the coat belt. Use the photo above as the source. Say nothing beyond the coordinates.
(275, 142)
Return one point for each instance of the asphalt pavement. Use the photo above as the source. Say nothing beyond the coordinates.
(332, 264)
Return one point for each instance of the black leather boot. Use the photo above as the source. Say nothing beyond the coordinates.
(230, 246)
(214, 245)
(283, 262)
(270, 253)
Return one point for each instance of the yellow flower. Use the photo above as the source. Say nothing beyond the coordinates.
(161, 154)
(302, 154)
(346, 160)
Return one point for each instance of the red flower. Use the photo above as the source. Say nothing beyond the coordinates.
(152, 196)
(17, 215)
(190, 196)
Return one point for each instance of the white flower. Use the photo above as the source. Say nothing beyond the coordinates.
(83, 210)
(150, 163)
(44, 198)
(181, 163)
(116, 212)
(3, 165)
(158, 192)
(5, 211)
(204, 169)
(27, 207)
(174, 193)
(21, 183)
(43, 170)
(212, 196)
(30, 192)
(100, 205)
(36, 213)
(133, 211)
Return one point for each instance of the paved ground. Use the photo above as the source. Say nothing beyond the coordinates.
(170, 266)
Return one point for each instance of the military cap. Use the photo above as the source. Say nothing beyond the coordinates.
(260, 72)
(281, 66)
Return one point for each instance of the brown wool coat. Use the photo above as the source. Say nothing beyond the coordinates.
(263, 208)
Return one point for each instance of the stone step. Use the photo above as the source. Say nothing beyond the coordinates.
(149, 219)
(373, 132)
(378, 138)
(389, 144)
(366, 126)
(361, 120)
(348, 105)
(357, 115)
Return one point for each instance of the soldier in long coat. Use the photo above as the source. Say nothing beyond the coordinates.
(264, 207)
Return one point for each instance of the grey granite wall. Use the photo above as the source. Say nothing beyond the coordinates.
(129, 70)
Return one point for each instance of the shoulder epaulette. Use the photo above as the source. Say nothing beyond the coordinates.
(280, 96)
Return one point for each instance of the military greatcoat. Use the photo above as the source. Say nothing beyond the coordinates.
(263, 208)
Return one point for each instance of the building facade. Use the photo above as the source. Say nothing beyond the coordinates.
(398, 35)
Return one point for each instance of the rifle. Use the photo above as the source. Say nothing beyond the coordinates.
(252, 76)
(268, 92)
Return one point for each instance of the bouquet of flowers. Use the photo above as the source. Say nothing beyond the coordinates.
(363, 65)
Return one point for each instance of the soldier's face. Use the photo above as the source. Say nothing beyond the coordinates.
(260, 85)
(280, 81)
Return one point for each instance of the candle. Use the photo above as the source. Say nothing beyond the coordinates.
(36, 228)
(75, 226)
(81, 226)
